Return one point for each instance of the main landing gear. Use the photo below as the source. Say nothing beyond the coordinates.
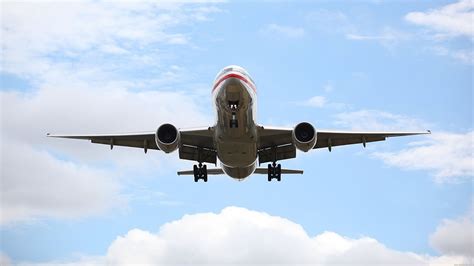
(274, 171)
(200, 172)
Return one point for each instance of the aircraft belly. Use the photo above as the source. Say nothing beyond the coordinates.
(239, 172)
(237, 153)
(235, 130)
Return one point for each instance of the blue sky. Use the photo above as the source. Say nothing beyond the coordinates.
(367, 65)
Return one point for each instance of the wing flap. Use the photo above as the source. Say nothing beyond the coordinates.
(198, 137)
(278, 153)
(197, 154)
(274, 137)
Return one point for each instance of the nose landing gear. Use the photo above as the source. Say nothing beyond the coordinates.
(274, 171)
(200, 172)
(234, 107)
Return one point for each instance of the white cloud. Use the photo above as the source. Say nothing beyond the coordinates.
(453, 19)
(285, 31)
(4, 259)
(319, 101)
(388, 37)
(448, 155)
(316, 101)
(37, 36)
(375, 120)
(328, 87)
(455, 236)
(466, 56)
(35, 184)
(238, 236)
(329, 21)
(75, 56)
(34, 181)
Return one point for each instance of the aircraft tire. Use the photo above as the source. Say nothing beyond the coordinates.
(204, 173)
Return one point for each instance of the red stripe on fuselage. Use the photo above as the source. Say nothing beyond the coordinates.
(233, 75)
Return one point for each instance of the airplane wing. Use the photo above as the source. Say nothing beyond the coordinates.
(143, 140)
(329, 139)
(277, 143)
(191, 138)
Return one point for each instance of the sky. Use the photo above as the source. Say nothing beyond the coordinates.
(111, 67)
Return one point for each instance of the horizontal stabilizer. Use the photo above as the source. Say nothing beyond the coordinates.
(212, 171)
(264, 171)
(259, 171)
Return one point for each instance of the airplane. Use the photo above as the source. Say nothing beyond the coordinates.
(235, 139)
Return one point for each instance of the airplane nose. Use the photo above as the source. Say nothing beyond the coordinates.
(233, 89)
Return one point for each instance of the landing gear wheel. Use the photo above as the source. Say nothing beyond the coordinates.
(278, 172)
(270, 173)
(274, 171)
(196, 173)
(204, 173)
(200, 172)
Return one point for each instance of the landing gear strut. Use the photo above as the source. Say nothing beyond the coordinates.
(274, 171)
(200, 172)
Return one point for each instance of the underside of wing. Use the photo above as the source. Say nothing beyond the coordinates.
(197, 145)
(329, 138)
(276, 144)
(194, 144)
(143, 140)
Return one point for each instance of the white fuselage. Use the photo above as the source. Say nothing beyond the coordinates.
(234, 94)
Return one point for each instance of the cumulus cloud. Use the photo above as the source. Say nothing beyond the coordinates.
(453, 19)
(4, 259)
(329, 21)
(238, 236)
(35, 36)
(448, 155)
(375, 120)
(285, 31)
(455, 236)
(36, 184)
(34, 180)
(76, 57)
(387, 37)
(44, 177)
(463, 55)
(319, 101)
(316, 101)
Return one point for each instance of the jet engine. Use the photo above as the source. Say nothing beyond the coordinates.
(304, 136)
(167, 138)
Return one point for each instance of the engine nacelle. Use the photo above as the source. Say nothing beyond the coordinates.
(167, 138)
(304, 136)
